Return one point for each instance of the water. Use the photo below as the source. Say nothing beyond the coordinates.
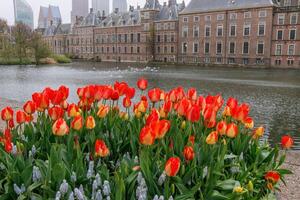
(274, 95)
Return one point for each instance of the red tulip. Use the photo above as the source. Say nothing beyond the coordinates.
(153, 117)
(154, 95)
(41, 101)
(248, 122)
(172, 166)
(89, 92)
(107, 91)
(188, 153)
(192, 139)
(57, 97)
(183, 106)
(101, 149)
(147, 137)
(192, 94)
(20, 117)
(56, 112)
(240, 112)
(130, 92)
(272, 176)
(193, 113)
(232, 103)
(221, 127)
(232, 130)
(73, 110)
(29, 107)
(121, 88)
(7, 114)
(8, 146)
(60, 127)
(287, 142)
(142, 84)
(210, 117)
(65, 91)
(167, 106)
(98, 92)
(77, 123)
(164, 127)
(126, 102)
(115, 95)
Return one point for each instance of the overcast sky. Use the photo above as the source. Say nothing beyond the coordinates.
(7, 11)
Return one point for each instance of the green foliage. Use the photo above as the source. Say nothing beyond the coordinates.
(61, 58)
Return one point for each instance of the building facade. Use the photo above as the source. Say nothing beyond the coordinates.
(286, 34)
(244, 32)
(80, 8)
(23, 13)
(49, 15)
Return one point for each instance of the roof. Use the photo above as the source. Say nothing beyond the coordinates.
(131, 17)
(216, 5)
(170, 11)
(152, 5)
(63, 29)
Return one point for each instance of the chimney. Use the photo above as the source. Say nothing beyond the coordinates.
(51, 22)
(103, 13)
(116, 10)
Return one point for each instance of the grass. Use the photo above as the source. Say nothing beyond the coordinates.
(16, 61)
(61, 59)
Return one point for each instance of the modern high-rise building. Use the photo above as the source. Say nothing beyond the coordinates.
(121, 5)
(100, 6)
(80, 8)
(49, 15)
(23, 13)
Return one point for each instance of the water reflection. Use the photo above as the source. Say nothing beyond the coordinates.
(273, 94)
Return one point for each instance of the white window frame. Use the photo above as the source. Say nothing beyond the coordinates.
(248, 47)
(207, 26)
(218, 42)
(288, 50)
(287, 3)
(217, 32)
(196, 18)
(220, 17)
(293, 29)
(247, 13)
(234, 50)
(245, 26)
(233, 16)
(262, 13)
(207, 18)
(281, 16)
(294, 14)
(182, 45)
(234, 30)
(205, 46)
(261, 23)
(185, 28)
(198, 30)
(259, 42)
(194, 47)
(277, 34)
(276, 48)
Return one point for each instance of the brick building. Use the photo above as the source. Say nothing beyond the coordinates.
(234, 32)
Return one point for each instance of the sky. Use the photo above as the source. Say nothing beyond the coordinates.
(7, 10)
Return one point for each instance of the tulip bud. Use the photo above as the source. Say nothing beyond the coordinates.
(188, 153)
(287, 142)
(258, 132)
(103, 111)
(221, 127)
(142, 84)
(250, 186)
(77, 123)
(29, 107)
(232, 130)
(60, 127)
(172, 166)
(90, 122)
(21, 117)
(7, 114)
(212, 138)
(238, 189)
(248, 122)
(147, 136)
(183, 125)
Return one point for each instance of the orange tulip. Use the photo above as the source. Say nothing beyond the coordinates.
(21, 117)
(210, 117)
(221, 127)
(154, 95)
(60, 127)
(232, 130)
(192, 139)
(56, 112)
(193, 113)
(287, 142)
(73, 110)
(142, 84)
(90, 122)
(29, 107)
(147, 136)
(188, 153)
(258, 132)
(212, 138)
(7, 114)
(227, 111)
(101, 149)
(248, 122)
(126, 102)
(153, 117)
(183, 106)
(172, 166)
(77, 123)
(164, 127)
(103, 111)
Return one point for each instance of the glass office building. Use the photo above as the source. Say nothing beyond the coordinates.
(23, 13)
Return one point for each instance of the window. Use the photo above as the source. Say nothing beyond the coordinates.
(233, 16)
(146, 15)
(246, 48)
(146, 27)
(220, 17)
(290, 61)
(165, 38)
(207, 31)
(277, 62)
(207, 18)
(232, 47)
(196, 47)
(247, 15)
(158, 49)
(232, 30)
(185, 31)
(172, 38)
(278, 50)
(262, 13)
(166, 50)
(260, 48)
(245, 61)
(185, 19)
(138, 37)
(279, 34)
(291, 50)
(206, 47)
(184, 47)
(158, 26)
(172, 49)
(158, 38)
(293, 34)
(293, 19)
(287, 3)
(220, 30)
(219, 48)
(247, 28)
(196, 31)
(281, 18)
(196, 19)
(207, 60)
(261, 29)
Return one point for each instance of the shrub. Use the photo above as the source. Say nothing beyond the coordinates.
(174, 144)
(61, 59)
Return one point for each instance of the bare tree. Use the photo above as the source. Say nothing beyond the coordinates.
(151, 41)
(40, 49)
(21, 34)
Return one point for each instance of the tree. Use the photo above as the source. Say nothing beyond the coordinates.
(151, 41)
(3, 26)
(21, 34)
(40, 49)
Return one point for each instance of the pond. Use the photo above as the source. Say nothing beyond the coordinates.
(273, 94)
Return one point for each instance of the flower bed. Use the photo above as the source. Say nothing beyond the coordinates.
(168, 145)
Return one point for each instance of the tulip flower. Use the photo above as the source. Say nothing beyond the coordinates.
(287, 142)
(65, 91)
(154, 95)
(272, 177)
(56, 112)
(115, 95)
(164, 127)
(130, 92)
(221, 127)
(101, 149)
(142, 84)
(232, 130)
(232, 103)
(90, 122)
(258, 132)
(241, 112)
(153, 117)
(192, 94)
(7, 114)
(107, 91)
(29, 107)
(248, 122)
(183, 106)
(77, 123)
(172, 166)
(147, 137)
(20, 117)
(57, 97)
(192, 139)
(103, 111)
(212, 138)
(193, 113)
(188, 153)
(73, 110)
(60, 127)
(210, 117)
(41, 101)
(126, 102)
